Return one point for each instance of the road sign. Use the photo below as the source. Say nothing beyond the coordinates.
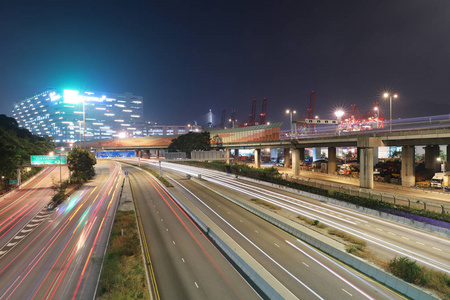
(48, 159)
(13, 182)
(319, 121)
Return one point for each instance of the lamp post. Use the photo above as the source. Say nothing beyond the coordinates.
(390, 96)
(60, 177)
(291, 112)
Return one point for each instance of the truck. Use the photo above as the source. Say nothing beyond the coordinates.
(441, 180)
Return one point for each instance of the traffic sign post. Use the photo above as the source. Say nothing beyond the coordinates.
(48, 159)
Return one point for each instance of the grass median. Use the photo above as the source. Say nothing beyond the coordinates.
(123, 275)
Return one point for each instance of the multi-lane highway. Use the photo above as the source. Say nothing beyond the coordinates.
(57, 254)
(186, 264)
(302, 271)
(388, 238)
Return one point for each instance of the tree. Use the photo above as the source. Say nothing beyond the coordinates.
(81, 162)
(191, 141)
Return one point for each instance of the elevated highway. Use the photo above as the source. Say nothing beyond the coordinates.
(409, 133)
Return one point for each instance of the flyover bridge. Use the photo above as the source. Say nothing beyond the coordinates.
(431, 135)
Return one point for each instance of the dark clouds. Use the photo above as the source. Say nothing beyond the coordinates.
(187, 57)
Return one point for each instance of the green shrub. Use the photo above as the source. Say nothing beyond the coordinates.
(406, 269)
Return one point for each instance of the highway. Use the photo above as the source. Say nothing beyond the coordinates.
(301, 269)
(186, 264)
(388, 239)
(58, 254)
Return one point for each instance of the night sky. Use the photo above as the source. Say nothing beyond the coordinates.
(189, 56)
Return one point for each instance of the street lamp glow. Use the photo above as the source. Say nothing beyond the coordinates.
(51, 153)
(390, 96)
(288, 111)
(339, 113)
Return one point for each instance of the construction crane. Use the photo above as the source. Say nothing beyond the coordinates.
(251, 116)
(373, 118)
(222, 123)
(262, 115)
(232, 118)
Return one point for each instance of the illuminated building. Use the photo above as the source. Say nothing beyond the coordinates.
(60, 115)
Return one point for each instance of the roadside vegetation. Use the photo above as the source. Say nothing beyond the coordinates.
(81, 163)
(123, 274)
(265, 203)
(16, 147)
(312, 222)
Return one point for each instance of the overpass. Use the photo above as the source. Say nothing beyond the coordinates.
(269, 136)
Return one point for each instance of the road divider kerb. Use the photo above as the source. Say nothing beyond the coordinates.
(151, 279)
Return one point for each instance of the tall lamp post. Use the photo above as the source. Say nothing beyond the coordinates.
(291, 112)
(390, 96)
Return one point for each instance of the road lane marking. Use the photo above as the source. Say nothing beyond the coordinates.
(405, 238)
(347, 292)
(182, 259)
(240, 221)
(167, 229)
(173, 242)
(256, 231)
(305, 264)
(391, 233)
(277, 245)
(437, 249)
(378, 229)
(196, 284)
(420, 243)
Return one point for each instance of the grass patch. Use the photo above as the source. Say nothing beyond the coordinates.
(123, 275)
(265, 203)
(409, 271)
(347, 237)
(312, 222)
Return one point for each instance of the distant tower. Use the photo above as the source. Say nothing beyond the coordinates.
(210, 119)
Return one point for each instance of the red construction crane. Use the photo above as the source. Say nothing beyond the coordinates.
(262, 115)
(312, 106)
(251, 116)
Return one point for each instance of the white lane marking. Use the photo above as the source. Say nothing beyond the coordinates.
(437, 249)
(305, 264)
(240, 221)
(331, 271)
(11, 244)
(196, 284)
(182, 259)
(378, 229)
(420, 243)
(161, 220)
(157, 212)
(18, 237)
(348, 293)
(277, 245)
(173, 242)
(256, 231)
(167, 229)
(405, 238)
(26, 230)
(229, 213)
(391, 233)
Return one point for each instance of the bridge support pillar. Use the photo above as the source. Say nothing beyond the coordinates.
(228, 155)
(331, 160)
(236, 155)
(287, 158)
(375, 155)
(302, 155)
(257, 158)
(296, 161)
(408, 166)
(431, 155)
(317, 153)
(366, 167)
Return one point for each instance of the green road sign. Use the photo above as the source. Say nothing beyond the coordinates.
(48, 159)
(13, 182)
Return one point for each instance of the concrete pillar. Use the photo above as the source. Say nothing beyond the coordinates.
(287, 158)
(358, 155)
(257, 158)
(366, 167)
(408, 166)
(331, 160)
(317, 153)
(302, 154)
(431, 155)
(375, 156)
(296, 162)
(228, 155)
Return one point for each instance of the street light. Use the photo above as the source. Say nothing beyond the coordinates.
(291, 112)
(390, 96)
(339, 114)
